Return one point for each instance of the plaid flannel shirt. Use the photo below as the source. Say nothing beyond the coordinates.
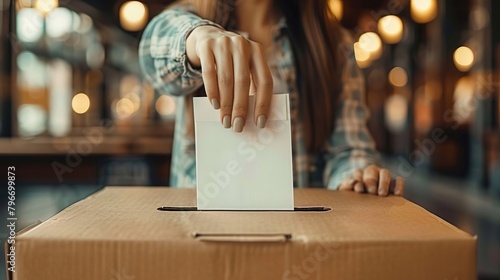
(163, 59)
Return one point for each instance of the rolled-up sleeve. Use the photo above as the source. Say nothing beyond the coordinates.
(162, 52)
(351, 145)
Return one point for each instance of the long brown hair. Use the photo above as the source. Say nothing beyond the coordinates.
(315, 35)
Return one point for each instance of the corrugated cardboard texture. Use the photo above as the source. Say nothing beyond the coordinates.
(118, 234)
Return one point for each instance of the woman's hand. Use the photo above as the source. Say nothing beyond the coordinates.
(229, 63)
(373, 180)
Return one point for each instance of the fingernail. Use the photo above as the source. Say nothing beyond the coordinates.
(261, 121)
(226, 121)
(238, 124)
(215, 103)
(372, 189)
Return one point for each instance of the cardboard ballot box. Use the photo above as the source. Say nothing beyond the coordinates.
(119, 234)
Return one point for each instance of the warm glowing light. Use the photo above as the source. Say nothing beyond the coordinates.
(337, 8)
(45, 6)
(398, 77)
(136, 100)
(371, 43)
(21, 3)
(124, 108)
(133, 15)
(463, 58)
(165, 105)
(391, 29)
(396, 112)
(423, 11)
(464, 105)
(362, 56)
(80, 103)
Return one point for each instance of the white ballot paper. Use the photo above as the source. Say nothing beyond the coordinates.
(251, 170)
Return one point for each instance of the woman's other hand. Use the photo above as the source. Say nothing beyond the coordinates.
(229, 63)
(373, 180)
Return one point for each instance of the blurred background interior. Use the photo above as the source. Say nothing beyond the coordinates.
(77, 115)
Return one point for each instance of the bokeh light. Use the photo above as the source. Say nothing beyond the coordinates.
(396, 113)
(362, 56)
(60, 94)
(398, 77)
(165, 105)
(463, 96)
(371, 43)
(20, 3)
(95, 56)
(33, 72)
(124, 108)
(423, 11)
(337, 8)
(45, 6)
(32, 120)
(85, 25)
(26, 60)
(463, 58)
(133, 15)
(136, 100)
(391, 29)
(80, 103)
(59, 22)
(29, 25)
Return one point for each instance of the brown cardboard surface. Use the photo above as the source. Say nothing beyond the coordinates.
(118, 234)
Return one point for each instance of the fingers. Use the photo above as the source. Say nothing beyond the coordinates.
(359, 187)
(264, 85)
(230, 63)
(370, 178)
(347, 184)
(384, 182)
(399, 186)
(241, 82)
(209, 75)
(224, 61)
(374, 180)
